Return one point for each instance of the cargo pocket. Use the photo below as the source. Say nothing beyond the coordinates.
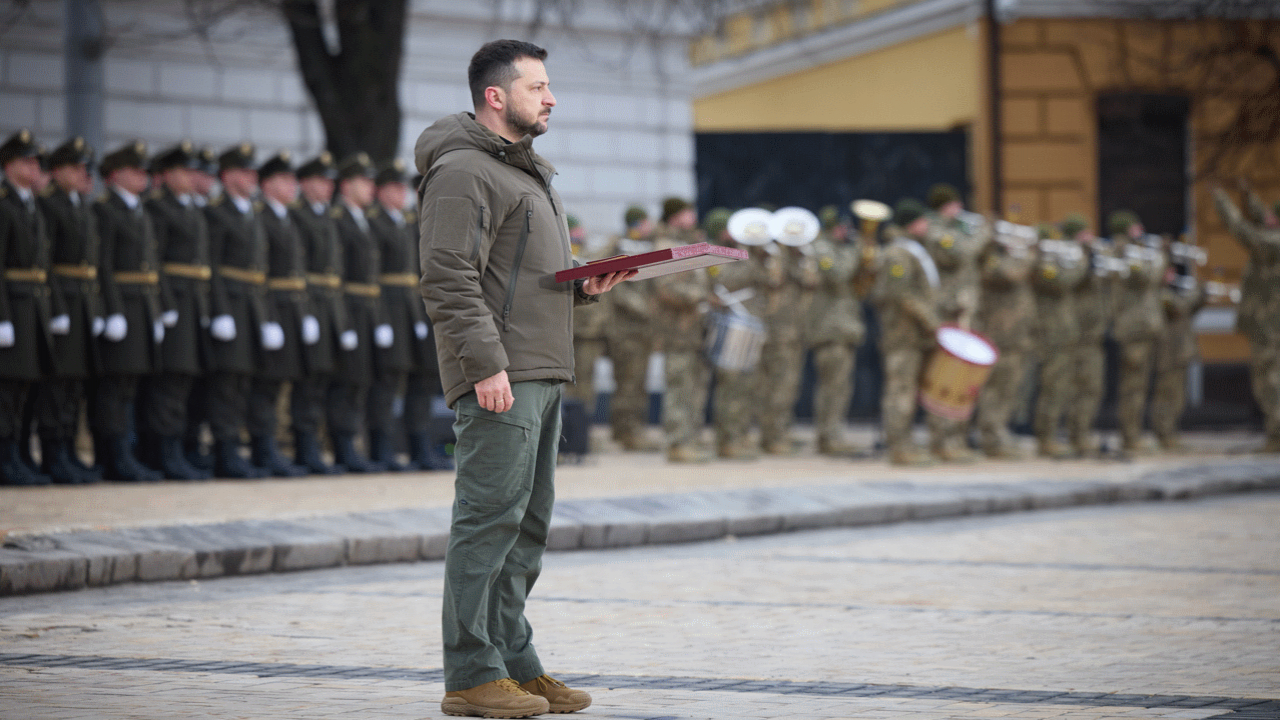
(495, 454)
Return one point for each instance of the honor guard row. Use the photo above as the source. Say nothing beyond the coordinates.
(165, 312)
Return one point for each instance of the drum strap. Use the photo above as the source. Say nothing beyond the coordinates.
(926, 262)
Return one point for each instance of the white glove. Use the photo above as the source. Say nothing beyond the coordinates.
(116, 328)
(384, 336)
(98, 326)
(420, 329)
(157, 331)
(272, 336)
(223, 328)
(169, 318)
(310, 330)
(349, 339)
(60, 325)
(6, 334)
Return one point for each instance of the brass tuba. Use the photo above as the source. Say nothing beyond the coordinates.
(871, 213)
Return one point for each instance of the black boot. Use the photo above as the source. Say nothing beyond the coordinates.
(59, 465)
(427, 456)
(196, 456)
(92, 473)
(267, 455)
(344, 453)
(306, 449)
(122, 466)
(227, 463)
(382, 451)
(14, 470)
(173, 461)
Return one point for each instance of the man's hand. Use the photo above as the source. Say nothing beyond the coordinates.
(494, 393)
(597, 284)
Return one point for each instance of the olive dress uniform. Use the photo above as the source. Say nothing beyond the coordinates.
(182, 239)
(73, 239)
(130, 280)
(238, 252)
(362, 264)
(26, 307)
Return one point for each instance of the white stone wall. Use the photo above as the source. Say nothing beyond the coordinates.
(621, 132)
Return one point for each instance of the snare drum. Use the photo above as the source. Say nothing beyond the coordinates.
(733, 341)
(956, 372)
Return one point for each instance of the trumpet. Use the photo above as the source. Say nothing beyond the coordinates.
(1063, 253)
(1222, 291)
(1014, 238)
(1105, 266)
(1187, 254)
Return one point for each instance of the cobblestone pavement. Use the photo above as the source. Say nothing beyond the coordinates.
(1157, 610)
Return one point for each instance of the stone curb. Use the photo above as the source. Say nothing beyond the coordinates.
(79, 559)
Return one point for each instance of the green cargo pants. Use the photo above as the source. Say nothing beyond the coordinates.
(503, 495)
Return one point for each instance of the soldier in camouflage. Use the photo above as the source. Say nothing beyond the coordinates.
(1139, 320)
(835, 330)
(630, 337)
(590, 341)
(1092, 300)
(1182, 297)
(1059, 267)
(789, 296)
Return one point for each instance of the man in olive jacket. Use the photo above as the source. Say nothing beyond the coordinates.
(493, 235)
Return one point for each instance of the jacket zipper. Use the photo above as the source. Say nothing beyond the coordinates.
(515, 269)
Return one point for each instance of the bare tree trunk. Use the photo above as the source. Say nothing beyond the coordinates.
(355, 86)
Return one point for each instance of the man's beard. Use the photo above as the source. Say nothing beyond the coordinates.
(531, 128)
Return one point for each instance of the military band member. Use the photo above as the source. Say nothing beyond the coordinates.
(1053, 278)
(133, 330)
(27, 302)
(631, 337)
(835, 331)
(73, 238)
(1092, 303)
(241, 325)
(327, 304)
(182, 242)
(906, 294)
(590, 329)
(1182, 297)
(287, 304)
(1139, 321)
(362, 266)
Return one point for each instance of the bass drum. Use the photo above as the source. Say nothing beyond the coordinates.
(956, 372)
(734, 341)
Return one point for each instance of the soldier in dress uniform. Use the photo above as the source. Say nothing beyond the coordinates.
(242, 326)
(955, 246)
(679, 319)
(287, 303)
(182, 241)
(133, 330)
(73, 239)
(327, 303)
(28, 304)
(906, 296)
(1005, 317)
(1182, 297)
(631, 338)
(1139, 320)
(1092, 303)
(401, 308)
(205, 176)
(362, 265)
(1053, 278)
(204, 180)
(835, 330)
(1259, 303)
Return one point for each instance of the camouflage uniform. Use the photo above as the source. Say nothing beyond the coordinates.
(590, 341)
(1057, 332)
(629, 334)
(736, 392)
(1092, 300)
(1174, 353)
(906, 298)
(782, 356)
(679, 319)
(1005, 317)
(834, 334)
(1139, 322)
(1259, 307)
(955, 247)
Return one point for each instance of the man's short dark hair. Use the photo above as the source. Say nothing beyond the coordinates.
(494, 65)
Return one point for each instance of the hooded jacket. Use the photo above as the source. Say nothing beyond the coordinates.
(493, 236)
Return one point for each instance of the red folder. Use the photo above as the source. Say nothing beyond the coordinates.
(657, 262)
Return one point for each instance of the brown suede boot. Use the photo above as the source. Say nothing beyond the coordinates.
(498, 699)
(561, 697)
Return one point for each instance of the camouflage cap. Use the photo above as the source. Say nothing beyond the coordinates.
(320, 165)
(716, 222)
(389, 172)
(1046, 231)
(75, 151)
(673, 205)
(281, 162)
(356, 165)
(572, 221)
(634, 214)
(908, 211)
(1121, 220)
(941, 194)
(237, 157)
(182, 155)
(132, 155)
(1073, 225)
(829, 216)
(19, 145)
